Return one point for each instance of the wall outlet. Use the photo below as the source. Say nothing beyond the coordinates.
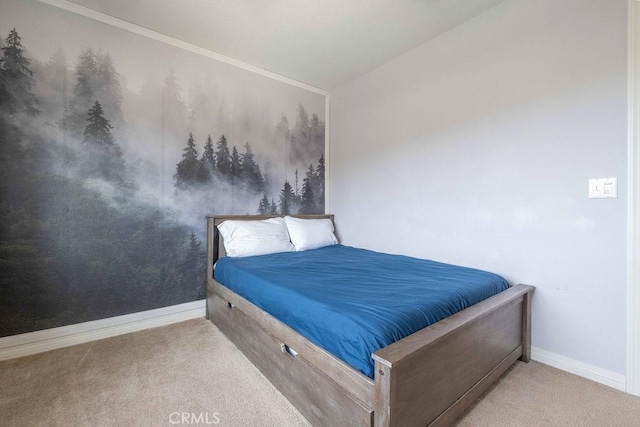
(603, 188)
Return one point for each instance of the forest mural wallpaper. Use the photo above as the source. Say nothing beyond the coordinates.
(114, 147)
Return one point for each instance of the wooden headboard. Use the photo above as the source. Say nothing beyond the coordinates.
(215, 246)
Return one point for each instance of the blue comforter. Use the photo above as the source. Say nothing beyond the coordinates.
(353, 302)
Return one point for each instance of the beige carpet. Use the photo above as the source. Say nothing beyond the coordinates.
(150, 378)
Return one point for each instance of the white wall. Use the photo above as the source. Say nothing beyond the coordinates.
(475, 149)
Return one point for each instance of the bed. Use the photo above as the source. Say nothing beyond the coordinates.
(426, 378)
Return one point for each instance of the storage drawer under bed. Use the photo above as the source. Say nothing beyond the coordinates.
(313, 393)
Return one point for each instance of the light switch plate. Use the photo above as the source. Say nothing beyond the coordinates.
(603, 188)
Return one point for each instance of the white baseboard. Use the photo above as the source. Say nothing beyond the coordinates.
(602, 376)
(50, 339)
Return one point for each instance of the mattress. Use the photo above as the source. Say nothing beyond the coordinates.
(353, 302)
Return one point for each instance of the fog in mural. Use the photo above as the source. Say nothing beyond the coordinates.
(113, 148)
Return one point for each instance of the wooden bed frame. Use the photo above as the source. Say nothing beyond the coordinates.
(427, 378)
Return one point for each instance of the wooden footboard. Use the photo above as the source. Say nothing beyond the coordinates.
(430, 377)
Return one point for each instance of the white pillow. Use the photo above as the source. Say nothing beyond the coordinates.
(310, 233)
(249, 238)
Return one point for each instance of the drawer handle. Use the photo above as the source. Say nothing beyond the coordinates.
(288, 350)
(230, 304)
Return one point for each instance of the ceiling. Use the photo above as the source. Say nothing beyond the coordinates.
(324, 43)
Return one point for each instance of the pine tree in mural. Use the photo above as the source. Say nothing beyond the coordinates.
(223, 157)
(98, 130)
(297, 197)
(315, 145)
(273, 209)
(103, 157)
(319, 183)
(236, 166)
(264, 208)
(16, 78)
(207, 162)
(107, 88)
(250, 174)
(287, 199)
(188, 170)
(83, 93)
(308, 199)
